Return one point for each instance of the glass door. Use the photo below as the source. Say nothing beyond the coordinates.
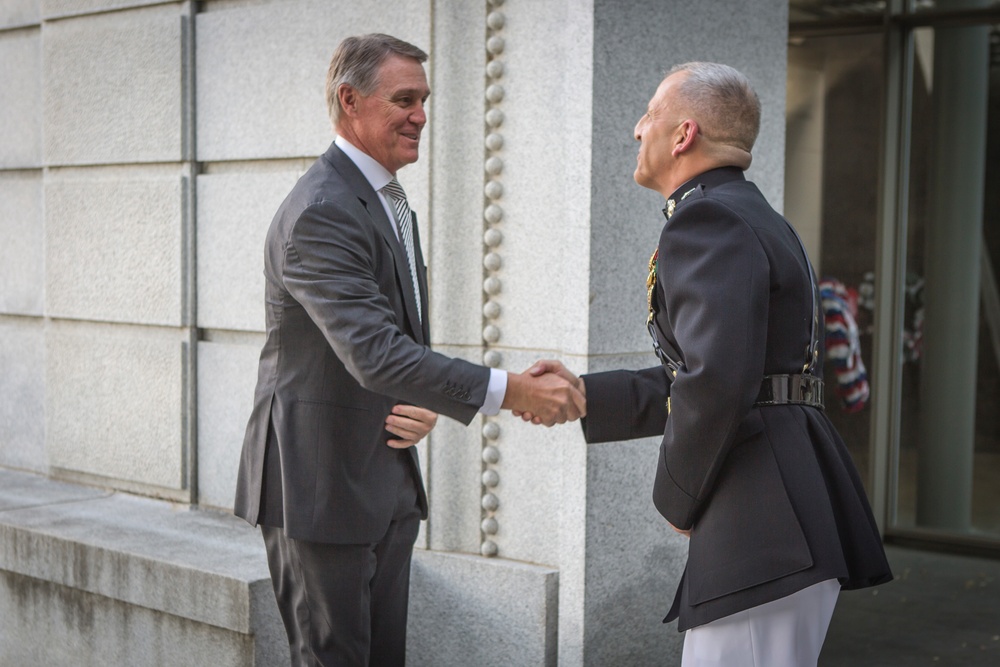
(948, 454)
(893, 179)
(834, 114)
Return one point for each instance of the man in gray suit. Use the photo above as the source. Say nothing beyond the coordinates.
(347, 383)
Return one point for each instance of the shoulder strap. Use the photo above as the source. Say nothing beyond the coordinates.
(812, 351)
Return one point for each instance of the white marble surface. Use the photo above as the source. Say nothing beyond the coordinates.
(113, 248)
(454, 233)
(20, 98)
(227, 375)
(114, 400)
(22, 252)
(22, 415)
(15, 13)
(635, 44)
(261, 70)
(112, 87)
(234, 213)
(454, 463)
(57, 8)
(468, 610)
(546, 179)
(127, 581)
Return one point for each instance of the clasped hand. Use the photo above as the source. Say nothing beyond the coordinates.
(410, 424)
(547, 393)
(553, 394)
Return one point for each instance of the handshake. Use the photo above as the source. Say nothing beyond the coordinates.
(547, 393)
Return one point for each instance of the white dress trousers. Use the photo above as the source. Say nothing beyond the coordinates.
(787, 632)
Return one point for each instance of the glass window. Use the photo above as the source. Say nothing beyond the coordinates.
(820, 10)
(951, 5)
(949, 450)
(833, 128)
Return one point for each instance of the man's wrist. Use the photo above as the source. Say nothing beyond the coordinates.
(514, 398)
(496, 392)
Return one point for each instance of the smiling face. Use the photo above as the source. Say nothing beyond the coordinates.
(658, 135)
(387, 124)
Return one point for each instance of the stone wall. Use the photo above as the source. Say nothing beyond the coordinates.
(144, 147)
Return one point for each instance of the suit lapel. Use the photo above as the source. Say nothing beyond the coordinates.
(386, 227)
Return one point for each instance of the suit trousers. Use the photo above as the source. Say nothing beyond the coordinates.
(787, 632)
(345, 605)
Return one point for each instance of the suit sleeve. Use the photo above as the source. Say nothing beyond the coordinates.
(622, 405)
(716, 283)
(330, 270)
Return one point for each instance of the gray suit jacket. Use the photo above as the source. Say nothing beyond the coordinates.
(344, 345)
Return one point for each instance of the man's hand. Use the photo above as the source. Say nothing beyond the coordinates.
(410, 423)
(554, 367)
(685, 533)
(548, 397)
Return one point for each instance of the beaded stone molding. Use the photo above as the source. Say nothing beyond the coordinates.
(492, 238)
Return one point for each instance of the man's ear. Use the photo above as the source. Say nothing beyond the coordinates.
(684, 137)
(348, 97)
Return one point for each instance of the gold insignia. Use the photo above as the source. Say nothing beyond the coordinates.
(672, 204)
(651, 284)
(674, 372)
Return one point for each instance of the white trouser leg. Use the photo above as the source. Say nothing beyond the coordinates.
(788, 632)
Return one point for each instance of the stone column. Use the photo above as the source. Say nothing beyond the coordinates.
(632, 559)
(539, 241)
(951, 274)
(152, 143)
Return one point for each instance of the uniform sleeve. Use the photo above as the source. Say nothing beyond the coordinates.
(622, 405)
(716, 282)
(330, 270)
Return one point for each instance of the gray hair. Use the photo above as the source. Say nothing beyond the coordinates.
(723, 102)
(356, 62)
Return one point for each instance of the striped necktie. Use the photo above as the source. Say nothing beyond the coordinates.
(404, 219)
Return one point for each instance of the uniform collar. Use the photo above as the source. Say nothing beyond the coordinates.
(703, 181)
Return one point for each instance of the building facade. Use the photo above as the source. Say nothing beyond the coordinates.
(146, 145)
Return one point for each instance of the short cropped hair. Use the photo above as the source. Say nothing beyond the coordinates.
(723, 102)
(356, 62)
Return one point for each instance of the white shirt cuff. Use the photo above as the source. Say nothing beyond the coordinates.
(495, 392)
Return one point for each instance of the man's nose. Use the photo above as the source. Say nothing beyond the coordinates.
(419, 115)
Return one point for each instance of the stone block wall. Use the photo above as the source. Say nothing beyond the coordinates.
(144, 147)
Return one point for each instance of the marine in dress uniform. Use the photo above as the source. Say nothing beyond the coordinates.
(750, 467)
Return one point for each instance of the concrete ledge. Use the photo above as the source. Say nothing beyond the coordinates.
(128, 581)
(468, 610)
(204, 568)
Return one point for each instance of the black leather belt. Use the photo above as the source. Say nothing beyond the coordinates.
(791, 389)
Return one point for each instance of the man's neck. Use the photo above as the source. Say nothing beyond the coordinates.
(707, 159)
(728, 156)
(346, 132)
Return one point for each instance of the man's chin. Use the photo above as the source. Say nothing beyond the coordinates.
(409, 156)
